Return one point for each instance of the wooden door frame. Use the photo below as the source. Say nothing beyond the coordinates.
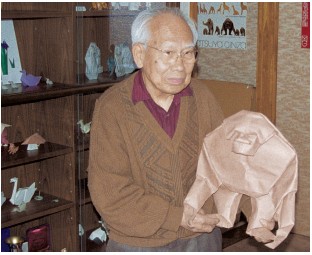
(267, 46)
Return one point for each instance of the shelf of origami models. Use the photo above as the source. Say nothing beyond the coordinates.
(23, 95)
(34, 209)
(33, 14)
(23, 156)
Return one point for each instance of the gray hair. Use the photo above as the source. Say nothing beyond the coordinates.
(140, 32)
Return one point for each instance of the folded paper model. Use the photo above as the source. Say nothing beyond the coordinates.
(248, 155)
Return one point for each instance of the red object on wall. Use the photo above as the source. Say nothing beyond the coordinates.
(305, 25)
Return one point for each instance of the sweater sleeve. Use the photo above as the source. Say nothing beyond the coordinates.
(115, 187)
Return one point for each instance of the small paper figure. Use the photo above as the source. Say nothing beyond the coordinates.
(29, 79)
(34, 141)
(85, 128)
(93, 62)
(124, 60)
(4, 134)
(3, 198)
(22, 195)
(100, 234)
(81, 230)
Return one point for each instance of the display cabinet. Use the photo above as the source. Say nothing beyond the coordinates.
(52, 41)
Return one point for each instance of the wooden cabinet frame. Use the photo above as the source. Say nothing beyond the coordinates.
(267, 46)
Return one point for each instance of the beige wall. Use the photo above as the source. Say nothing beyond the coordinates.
(293, 103)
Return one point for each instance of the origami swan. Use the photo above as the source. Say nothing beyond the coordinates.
(22, 195)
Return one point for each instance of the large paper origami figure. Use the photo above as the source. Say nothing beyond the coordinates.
(248, 155)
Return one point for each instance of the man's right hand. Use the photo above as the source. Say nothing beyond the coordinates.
(199, 222)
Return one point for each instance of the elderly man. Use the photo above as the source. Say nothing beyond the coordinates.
(146, 136)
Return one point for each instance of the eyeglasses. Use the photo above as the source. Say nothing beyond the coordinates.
(188, 55)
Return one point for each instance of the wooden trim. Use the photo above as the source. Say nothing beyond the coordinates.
(268, 14)
(194, 11)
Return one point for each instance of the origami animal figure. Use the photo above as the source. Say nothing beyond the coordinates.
(22, 195)
(247, 155)
(34, 141)
(29, 79)
(85, 128)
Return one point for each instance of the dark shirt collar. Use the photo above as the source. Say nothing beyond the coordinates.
(140, 93)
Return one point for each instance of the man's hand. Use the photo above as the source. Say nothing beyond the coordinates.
(199, 222)
(264, 234)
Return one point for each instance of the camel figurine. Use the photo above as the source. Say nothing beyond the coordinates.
(22, 195)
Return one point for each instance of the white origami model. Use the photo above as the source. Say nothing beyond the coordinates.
(247, 155)
(22, 195)
(123, 60)
(3, 198)
(93, 62)
(85, 128)
(100, 234)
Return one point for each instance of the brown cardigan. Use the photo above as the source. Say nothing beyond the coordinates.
(138, 176)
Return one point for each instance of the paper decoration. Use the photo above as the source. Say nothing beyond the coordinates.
(22, 195)
(123, 60)
(222, 25)
(93, 62)
(85, 128)
(10, 60)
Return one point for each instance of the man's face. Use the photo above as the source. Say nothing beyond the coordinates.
(163, 78)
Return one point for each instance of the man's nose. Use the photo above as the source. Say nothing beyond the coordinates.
(178, 63)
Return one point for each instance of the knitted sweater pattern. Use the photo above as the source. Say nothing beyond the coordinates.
(156, 171)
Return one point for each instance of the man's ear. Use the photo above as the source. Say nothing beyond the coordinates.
(138, 52)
